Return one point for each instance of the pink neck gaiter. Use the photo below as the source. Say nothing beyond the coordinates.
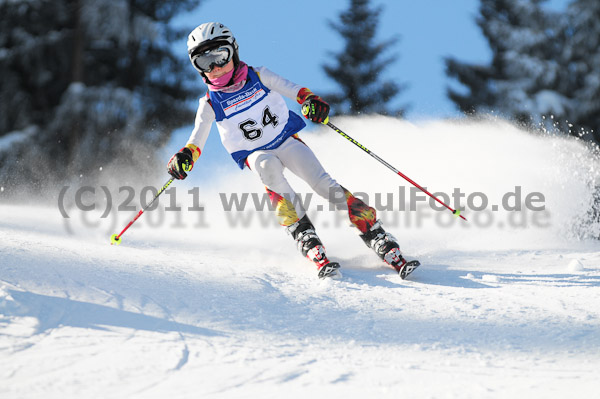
(220, 83)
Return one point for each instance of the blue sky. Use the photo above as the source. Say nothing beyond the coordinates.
(294, 39)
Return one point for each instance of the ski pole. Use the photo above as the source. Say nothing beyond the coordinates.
(116, 238)
(456, 212)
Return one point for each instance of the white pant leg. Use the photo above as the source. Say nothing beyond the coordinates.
(300, 160)
(269, 168)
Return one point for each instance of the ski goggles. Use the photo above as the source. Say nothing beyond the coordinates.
(219, 56)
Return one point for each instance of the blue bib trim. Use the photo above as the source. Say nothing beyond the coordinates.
(228, 105)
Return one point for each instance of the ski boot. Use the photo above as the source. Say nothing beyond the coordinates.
(311, 247)
(386, 247)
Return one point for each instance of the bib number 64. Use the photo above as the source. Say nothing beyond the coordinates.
(249, 126)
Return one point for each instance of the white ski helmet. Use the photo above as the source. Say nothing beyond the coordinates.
(208, 35)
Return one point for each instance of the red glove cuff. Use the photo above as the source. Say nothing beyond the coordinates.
(303, 95)
(195, 151)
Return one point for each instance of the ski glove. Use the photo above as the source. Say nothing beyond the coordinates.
(316, 109)
(181, 163)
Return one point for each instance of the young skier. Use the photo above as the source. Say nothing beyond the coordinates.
(260, 132)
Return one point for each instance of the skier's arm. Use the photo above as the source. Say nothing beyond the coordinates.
(183, 161)
(279, 84)
(318, 109)
(205, 116)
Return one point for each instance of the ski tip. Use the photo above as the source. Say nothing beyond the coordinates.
(408, 268)
(330, 270)
(115, 239)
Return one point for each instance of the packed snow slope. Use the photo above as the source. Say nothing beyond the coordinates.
(218, 303)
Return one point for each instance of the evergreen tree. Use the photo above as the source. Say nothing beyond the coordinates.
(34, 61)
(524, 80)
(360, 64)
(582, 51)
(85, 82)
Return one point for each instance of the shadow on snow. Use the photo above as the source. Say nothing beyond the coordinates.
(53, 312)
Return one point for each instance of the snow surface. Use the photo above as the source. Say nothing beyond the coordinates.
(192, 305)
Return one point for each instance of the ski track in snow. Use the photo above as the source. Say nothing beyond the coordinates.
(235, 312)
